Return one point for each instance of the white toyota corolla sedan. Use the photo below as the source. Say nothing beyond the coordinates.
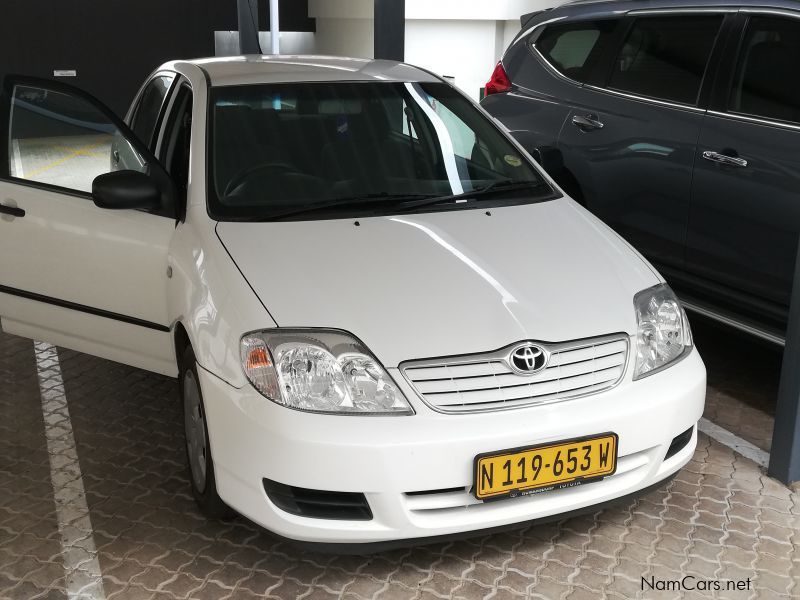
(387, 322)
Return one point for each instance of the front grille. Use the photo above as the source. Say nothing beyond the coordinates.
(318, 504)
(486, 381)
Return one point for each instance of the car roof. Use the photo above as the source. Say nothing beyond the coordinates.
(247, 69)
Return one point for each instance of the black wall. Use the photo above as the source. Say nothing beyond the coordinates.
(114, 44)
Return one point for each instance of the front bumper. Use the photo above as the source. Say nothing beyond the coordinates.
(387, 457)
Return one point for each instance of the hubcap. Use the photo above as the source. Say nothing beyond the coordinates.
(194, 424)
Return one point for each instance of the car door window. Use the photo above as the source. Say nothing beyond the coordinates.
(61, 138)
(764, 84)
(148, 109)
(666, 57)
(177, 137)
(574, 49)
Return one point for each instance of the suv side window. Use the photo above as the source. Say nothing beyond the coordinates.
(145, 116)
(666, 57)
(574, 49)
(764, 84)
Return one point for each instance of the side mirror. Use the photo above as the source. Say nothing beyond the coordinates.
(125, 189)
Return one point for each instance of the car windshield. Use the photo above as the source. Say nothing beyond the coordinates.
(330, 150)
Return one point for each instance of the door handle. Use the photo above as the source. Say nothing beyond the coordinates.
(587, 122)
(724, 159)
(14, 211)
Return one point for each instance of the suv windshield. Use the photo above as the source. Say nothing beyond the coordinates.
(332, 150)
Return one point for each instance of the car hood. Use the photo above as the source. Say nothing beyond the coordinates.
(444, 283)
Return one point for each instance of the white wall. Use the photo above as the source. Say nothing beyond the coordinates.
(341, 9)
(345, 37)
(481, 10)
(459, 38)
(344, 27)
(226, 43)
(465, 50)
(510, 30)
(464, 38)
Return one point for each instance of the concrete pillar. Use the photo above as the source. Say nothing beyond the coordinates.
(784, 456)
(390, 29)
(247, 12)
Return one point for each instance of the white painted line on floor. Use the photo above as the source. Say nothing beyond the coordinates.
(83, 577)
(734, 442)
(18, 171)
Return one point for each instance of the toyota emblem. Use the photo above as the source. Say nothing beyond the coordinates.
(528, 359)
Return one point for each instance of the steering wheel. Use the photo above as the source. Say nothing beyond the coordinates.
(257, 170)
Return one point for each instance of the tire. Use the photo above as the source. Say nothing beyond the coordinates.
(198, 449)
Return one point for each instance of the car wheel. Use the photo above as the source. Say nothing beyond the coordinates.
(198, 448)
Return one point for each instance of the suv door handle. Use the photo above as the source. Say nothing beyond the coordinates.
(587, 122)
(717, 157)
(13, 211)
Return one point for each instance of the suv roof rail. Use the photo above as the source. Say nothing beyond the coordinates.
(595, 1)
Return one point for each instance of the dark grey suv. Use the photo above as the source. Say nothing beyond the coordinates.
(679, 125)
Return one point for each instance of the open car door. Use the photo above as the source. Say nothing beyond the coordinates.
(72, 273)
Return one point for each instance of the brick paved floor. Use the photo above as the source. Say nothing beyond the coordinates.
(720, 519)
(743, 377)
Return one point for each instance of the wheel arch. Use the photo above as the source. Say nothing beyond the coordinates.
(570, 184)
(181, 341)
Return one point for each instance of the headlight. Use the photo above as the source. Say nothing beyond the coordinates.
(320, 371)
(662, 334)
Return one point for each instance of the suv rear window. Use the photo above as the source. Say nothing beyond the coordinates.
(573, 49)
(666, 57)
(765, 85)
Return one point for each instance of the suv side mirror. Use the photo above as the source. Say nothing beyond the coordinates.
(125, 189)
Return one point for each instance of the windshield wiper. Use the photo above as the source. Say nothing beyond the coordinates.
(505, 185)
(403, 202)
(364, 201)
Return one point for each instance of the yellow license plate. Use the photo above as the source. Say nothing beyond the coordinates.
(542, 468)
